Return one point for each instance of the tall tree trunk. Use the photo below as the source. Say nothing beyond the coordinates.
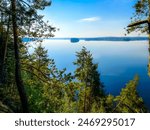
(2, 67)
(84, 109)
(18, 79)
(85, 98)
(2, 61)
(3, 53)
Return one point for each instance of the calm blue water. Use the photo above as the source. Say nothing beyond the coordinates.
(118, 62)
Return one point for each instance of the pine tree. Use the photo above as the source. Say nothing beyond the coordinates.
(88, 74)
(24, 21)
(129, 100)
(140, 20)
(47, 87)
(4, 38)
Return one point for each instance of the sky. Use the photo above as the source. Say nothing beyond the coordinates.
(90, 18)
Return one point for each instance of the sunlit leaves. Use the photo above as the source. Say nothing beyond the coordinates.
(129, 101)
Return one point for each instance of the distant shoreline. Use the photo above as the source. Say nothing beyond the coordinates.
(95, 39)
(106, 39)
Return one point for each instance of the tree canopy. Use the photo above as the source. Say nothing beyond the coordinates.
(141, 18)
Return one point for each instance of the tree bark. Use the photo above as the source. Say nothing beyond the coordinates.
(3, 53)
(19, 82)
(2, 66)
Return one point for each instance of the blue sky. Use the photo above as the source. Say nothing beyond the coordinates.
(90, 18)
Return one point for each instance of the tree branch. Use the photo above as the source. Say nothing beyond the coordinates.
(37, 70)
(36, 76)
(137, 23)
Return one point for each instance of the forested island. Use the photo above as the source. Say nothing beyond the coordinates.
(31, 82)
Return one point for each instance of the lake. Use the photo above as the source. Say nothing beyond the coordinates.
(118, 62)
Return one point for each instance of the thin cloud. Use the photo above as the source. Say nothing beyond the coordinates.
(91, 19)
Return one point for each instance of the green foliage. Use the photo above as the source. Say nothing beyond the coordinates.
(20, 18)
(4, 108)
(48, 88)
(89, 76)
(142, 12)
(140, 22)
(109, 103)
(8, 91)
(129, 101)
(52, 90)
(29, 22)
(45, 83)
